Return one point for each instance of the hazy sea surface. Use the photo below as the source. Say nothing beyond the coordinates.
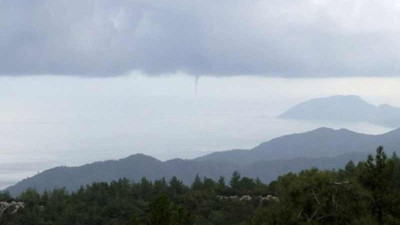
(50, 121)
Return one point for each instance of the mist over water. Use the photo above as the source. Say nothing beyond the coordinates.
(50, 121)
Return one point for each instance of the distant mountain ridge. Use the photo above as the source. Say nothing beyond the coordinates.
(133, 167)
(344, 108)
(324, 148)
(322, 142)
(72, 178)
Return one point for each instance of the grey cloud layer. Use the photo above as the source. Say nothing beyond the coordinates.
(221, 38)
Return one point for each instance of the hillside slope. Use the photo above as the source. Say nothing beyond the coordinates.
(322, 142)
(323, 148)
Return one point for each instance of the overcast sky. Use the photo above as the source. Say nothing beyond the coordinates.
(302, 38)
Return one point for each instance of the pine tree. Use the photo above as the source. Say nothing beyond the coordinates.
(235, 180)
(350, 168)
(160, 211)
(176, 186)
(197, 183)
(221, 182)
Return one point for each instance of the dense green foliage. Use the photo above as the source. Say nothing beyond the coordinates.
(364, 194)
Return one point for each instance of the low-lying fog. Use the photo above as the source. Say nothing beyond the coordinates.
(47, 121)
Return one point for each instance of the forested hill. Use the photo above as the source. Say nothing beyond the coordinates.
(138, 166)
(367, 193)
(323, 148)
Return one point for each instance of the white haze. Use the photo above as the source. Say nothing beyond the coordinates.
(47, 121)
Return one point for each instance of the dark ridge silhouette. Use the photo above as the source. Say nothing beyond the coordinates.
(323, 148)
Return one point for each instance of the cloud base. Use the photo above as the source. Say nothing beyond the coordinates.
(276, 38)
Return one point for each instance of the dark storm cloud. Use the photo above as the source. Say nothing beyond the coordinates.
(315, 38)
